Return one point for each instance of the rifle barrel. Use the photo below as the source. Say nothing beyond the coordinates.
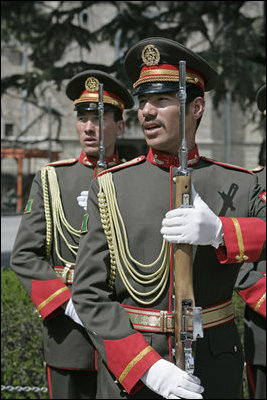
(101, 164)
(182, 100)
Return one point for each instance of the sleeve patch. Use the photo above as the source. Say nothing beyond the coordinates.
(28, 207)
(84, 227)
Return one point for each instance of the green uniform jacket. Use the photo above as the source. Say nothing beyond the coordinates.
(145, 191)
(66, 344)
(251, 286)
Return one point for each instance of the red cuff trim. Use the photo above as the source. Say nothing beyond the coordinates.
(240, 244)
(138, 356)
(255, 296)
(263, 196)
(49, 295)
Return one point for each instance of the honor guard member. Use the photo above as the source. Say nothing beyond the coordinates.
(251, 286)
(44, 253)
(123, 286)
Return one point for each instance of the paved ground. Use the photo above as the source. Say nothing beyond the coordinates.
(9, 228)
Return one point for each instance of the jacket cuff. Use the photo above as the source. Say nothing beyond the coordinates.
(240, 244)
(255, 296)
(136, 358)
(49, 295)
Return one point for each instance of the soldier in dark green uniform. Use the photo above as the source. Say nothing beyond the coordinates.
(45, 249)
(251, 286)
(123, 288)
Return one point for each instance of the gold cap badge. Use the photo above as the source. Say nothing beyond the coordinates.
(92, 84)
(150, 55)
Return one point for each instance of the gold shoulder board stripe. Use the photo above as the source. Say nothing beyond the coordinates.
(134, 161)
(231, 166)
(62, 162)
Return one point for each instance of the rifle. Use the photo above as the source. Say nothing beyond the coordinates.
(101, 164)
(188, 318)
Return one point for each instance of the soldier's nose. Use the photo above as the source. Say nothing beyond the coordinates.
(89, 127)
(149, 110)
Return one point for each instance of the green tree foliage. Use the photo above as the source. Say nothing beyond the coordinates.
(234, 42)
(21, 340)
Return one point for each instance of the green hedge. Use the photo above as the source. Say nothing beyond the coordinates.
(21, 344)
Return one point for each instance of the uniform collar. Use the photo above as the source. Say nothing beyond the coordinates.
(166, 160)
(92, 162)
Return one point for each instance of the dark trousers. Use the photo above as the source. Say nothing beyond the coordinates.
(71, 384)
(256, 375)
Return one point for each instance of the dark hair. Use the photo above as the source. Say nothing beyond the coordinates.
(193, 91)
(117, 115)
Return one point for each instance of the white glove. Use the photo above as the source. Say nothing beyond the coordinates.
(193, 225)
(71, 312)
(82, 199)
(170, 382)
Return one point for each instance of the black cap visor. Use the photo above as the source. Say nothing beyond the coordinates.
(94, 107)
(156, 87)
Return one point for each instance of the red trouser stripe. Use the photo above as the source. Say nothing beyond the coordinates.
(251, 380)
(49, 381)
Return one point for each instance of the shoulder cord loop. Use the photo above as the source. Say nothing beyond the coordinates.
(113, 224)
(58, 215)
(47, 213)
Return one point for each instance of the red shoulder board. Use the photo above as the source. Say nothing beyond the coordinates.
(63, 162)
(257, 169)
(231, 166)
(134, 161)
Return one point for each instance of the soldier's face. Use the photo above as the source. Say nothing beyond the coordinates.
(158, 116)
(87, 125)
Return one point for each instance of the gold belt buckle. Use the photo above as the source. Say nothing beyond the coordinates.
(166, 321)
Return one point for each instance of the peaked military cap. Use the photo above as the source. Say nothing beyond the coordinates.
(152, 66)
(83, 90)
(261, 99)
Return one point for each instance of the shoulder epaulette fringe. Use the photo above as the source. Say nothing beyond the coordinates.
(63, 162)
(129, 163)
(230, 166)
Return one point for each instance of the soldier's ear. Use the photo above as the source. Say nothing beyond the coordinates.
(198, 107)
(120, 127)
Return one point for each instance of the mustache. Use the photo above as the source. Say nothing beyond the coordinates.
(155, 121)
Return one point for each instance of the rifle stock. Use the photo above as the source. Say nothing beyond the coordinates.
(183, 275)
